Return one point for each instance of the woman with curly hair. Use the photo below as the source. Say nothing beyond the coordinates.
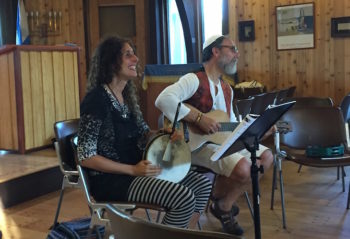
(112, 137)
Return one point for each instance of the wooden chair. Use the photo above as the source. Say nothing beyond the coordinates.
(309, 101)
(125, 227)
(311, 128)
(279, 155)
(64, 130)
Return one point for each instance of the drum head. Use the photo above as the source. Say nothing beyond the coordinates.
(179, 160)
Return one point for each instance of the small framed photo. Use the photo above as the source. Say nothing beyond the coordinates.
(340, 27)
(246, 30)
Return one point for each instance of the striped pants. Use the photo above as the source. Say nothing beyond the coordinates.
(180, 199)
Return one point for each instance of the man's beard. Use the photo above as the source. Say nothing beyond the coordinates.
(229, 68)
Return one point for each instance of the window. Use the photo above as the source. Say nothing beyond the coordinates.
(177, 47)
(181, 26)
(212, 18)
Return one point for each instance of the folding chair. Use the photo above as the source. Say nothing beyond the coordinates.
(98, 209)
(64, 130)
(125, 227)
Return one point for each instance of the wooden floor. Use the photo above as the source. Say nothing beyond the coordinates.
(315, 208)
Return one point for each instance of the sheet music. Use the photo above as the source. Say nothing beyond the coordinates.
(239, 130)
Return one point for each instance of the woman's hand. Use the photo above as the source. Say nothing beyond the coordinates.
(145, 168)
(177, 135)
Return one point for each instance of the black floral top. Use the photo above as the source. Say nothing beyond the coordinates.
(108, 129)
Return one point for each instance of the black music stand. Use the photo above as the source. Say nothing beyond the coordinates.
(250, 140)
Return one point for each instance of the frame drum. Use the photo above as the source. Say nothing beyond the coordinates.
(178, 162)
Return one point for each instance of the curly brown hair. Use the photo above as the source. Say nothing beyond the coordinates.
(106, 63)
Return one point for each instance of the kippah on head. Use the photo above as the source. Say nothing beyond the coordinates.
(211, 40)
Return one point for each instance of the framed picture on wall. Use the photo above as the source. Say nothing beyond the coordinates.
(295, 26)
(246, 30)
(340, 27)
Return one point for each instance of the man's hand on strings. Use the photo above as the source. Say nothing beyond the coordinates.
(208, 125)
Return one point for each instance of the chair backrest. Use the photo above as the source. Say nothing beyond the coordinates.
(282, 94)
(244, 93)
(345, 108)
(314, 126)
(291, 90)
(261, 102)
(125, 227)
(83, 177)
(64, 131)
(243, 106)
(310, 101)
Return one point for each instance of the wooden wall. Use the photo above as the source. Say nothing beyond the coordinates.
(323, 71)
(72, 28)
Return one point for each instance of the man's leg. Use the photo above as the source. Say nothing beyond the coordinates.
(228, 189)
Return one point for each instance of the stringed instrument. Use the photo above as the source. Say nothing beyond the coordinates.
(197, 137)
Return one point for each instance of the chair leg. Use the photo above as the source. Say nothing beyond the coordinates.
(347, 206)
(338, 173)
(282, 194)
(158, 216)
(58, 207)
(273, 182)
(98, 234)
(199, 225)
(148, 215)
(249, 204)
(299, 169)
(343, 177)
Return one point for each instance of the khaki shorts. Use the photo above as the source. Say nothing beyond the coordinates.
(222, 166)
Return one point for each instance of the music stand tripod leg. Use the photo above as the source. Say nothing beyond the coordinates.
(254, 173)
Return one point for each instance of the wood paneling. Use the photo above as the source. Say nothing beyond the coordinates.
(322, 71)
(8, 126)
(44, 82)
(51, 93)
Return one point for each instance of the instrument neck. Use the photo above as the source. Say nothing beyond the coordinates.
(227, 126)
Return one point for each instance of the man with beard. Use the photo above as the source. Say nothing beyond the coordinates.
(203, 92)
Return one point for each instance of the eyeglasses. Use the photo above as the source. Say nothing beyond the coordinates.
(234, 49)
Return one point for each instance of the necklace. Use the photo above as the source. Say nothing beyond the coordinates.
(124, 115)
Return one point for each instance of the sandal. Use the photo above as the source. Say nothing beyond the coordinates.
(227, 219)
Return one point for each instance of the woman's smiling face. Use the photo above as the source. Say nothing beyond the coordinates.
(128, 68)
